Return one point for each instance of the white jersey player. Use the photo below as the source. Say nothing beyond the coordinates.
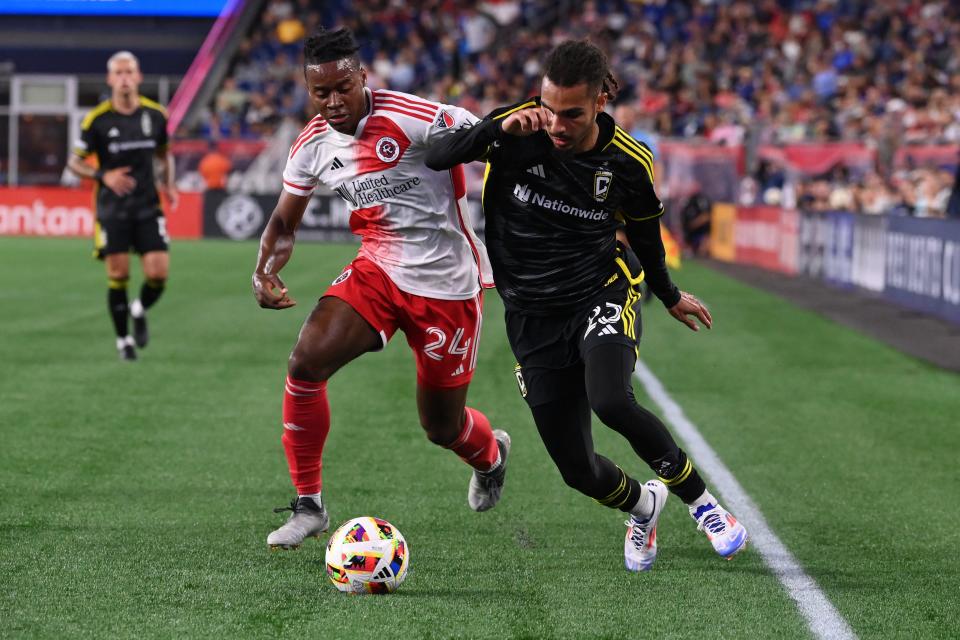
(420, 269)
(414, 222)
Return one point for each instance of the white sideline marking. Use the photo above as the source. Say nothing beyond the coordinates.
(822, 618)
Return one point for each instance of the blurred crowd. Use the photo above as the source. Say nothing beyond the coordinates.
(791, 69)
(922, 191)
(879, 72)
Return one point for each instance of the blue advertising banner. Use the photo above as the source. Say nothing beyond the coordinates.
(869, 250)
(813, 233)
(838, 248)
(923, 265)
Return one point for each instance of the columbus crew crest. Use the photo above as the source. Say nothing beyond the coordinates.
(388, 150)
(601, 185)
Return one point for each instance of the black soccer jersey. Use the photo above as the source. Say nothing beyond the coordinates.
(551, 216)
(125, 141)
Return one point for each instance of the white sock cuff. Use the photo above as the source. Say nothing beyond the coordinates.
(645, 505)
(705, 498)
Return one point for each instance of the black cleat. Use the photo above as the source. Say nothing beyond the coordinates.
(127, 353)
(141, 336)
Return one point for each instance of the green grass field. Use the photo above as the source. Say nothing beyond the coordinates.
(135, 498)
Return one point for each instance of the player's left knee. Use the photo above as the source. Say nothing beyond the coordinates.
(612, 406)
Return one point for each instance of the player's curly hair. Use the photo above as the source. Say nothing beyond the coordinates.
(576, 61)
(327, 46)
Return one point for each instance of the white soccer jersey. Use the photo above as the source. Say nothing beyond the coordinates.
(413, 221)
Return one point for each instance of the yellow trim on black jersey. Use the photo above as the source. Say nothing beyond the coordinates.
(87, 122)
(531, 103)
(483, 188)
(147, 102)
(639, 146)
(620, 142)
(634, 281)
(95, 113)
(636, 219)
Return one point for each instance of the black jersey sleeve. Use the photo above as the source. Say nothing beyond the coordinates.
(163, 140)
(466, 145)
(477, 142)
(642, 226)
(87, 143)
(645, 240)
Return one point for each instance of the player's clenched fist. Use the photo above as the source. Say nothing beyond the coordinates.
(526, 121)
(264, 286)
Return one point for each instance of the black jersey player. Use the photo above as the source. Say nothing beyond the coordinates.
(127, 133)
(562, 178)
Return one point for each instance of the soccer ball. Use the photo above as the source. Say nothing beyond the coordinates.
(367, 555)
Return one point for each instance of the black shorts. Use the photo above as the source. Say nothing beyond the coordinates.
(121, 235)
(550, 350)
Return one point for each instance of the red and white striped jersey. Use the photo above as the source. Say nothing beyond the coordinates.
(413, 221)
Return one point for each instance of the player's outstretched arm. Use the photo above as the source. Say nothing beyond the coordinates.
(464, 145)
(276, 247)
(645, 240)
(471, 143)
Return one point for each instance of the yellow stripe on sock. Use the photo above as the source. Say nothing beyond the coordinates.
(620, 487)
(683, 475)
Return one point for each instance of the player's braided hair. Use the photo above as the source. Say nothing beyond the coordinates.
(576, 61)
(327, 46)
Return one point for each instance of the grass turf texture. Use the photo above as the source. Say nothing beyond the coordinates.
(136, 497)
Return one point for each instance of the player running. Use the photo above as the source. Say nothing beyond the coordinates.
(561, 179)
(419, 270)
(126, 133)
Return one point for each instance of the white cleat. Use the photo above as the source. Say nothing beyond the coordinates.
(640, 544)
(307, 520)
(485, 488)
(727, 536)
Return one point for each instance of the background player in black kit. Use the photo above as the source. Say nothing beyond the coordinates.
(127, 132)
(561, 180)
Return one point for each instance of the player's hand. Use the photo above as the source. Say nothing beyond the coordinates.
(526, 121)
(119, 181)
(270, 291)
(688, 306)
(170, 192)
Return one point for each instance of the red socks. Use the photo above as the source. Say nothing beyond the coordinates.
(476, 445)
(306, 423)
